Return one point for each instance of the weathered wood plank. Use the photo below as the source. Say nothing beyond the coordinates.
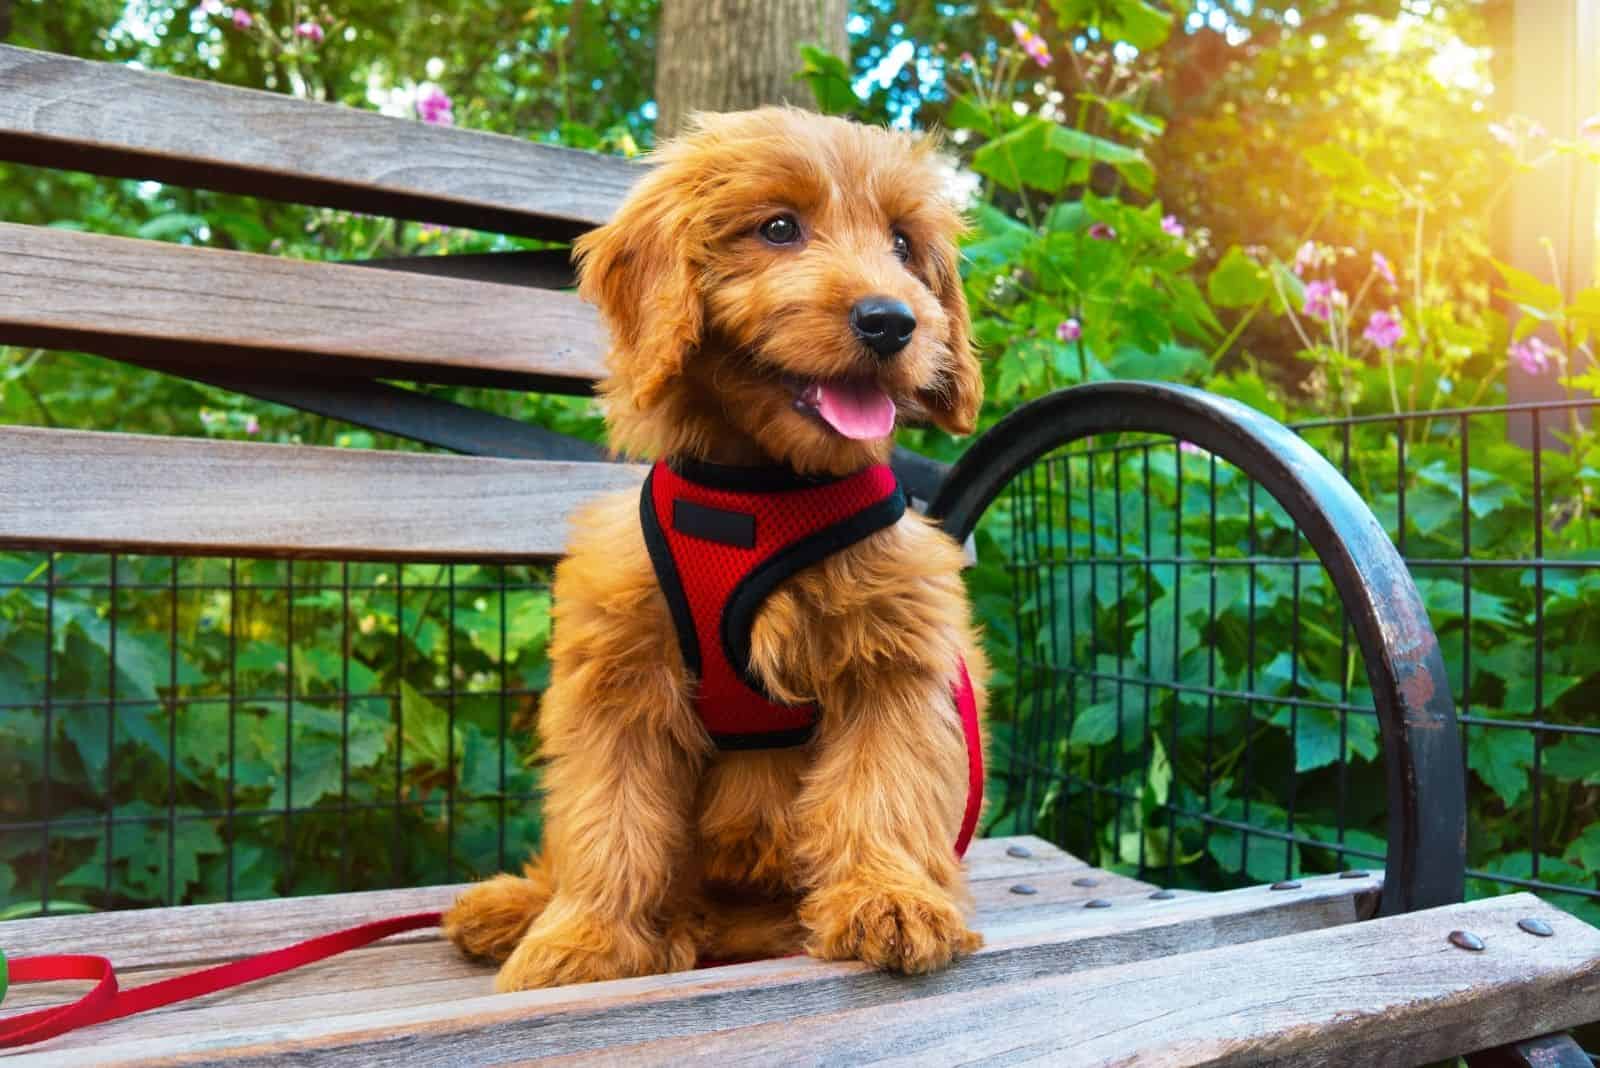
(348, 1003)
(56, 111)
(79, 490)
(133, 299)
(197, 935)
(1391, 992)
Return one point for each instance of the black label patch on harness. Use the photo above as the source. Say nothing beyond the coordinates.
(714, 524)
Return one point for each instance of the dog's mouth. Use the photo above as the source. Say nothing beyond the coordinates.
(856, 408)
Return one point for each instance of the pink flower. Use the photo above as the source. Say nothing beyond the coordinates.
(1171, 226)
(1322, 298)
(1305, 258)
(1191, 448)
(311, 31)
(435, 106)
(966, 59)
(1031, 43)
(252, 425)
(1380, 264)
(1590, 128)
(1102, 232)
(242, 19)
(1384, 330)
(1069, 330)
(1532, 355)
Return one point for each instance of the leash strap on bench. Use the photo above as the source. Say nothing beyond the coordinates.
(107, 1002)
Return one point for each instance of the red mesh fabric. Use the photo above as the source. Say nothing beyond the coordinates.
(709, 571)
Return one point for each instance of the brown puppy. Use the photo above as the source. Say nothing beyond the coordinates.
(729, 280)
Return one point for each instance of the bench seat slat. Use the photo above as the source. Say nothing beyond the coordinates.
(426, 978)
(165, 303)
(87, 491)
(1389, 993)
(74, 114)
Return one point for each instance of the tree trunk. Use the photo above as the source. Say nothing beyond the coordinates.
(727, 55)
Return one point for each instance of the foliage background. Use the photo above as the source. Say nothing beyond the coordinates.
(1148, 176)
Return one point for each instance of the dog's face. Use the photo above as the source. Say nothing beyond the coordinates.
(783, 285)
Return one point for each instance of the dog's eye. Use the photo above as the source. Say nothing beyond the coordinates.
(902, 247)
(782, 230)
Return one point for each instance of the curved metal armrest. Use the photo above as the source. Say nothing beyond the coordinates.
(1416, 712)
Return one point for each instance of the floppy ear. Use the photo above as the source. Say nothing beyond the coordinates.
(954, 402)
(636, 269)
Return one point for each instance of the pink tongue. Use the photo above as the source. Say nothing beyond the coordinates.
(857, 409)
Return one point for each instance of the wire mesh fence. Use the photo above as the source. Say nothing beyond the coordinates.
(184, 730)
(1177, 694)
(1184, 697)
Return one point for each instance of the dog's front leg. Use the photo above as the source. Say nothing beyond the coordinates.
(618, 791)
(878, 821)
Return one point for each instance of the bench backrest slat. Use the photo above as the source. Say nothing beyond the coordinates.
(165, 303)
(81, 490)
(56, 111)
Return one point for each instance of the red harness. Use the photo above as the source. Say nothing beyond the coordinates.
(721, 539)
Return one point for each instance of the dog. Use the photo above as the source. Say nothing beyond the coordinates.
(779, 290)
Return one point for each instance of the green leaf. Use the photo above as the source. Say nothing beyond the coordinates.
(167, 227)
(1317, 736)
(1038, 152)
(1170, 363)
(1501, 758)
(1095, 725)
(1576, 758)
(967, 114)
(1238, 281)
(1023, 157)
(1528, 290)
(829, 78)
(1585, 849)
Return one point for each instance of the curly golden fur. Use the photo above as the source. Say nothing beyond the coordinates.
(659, 849)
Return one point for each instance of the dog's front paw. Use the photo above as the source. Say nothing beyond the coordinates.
(588, 952)
(490, 918)
(901, 929)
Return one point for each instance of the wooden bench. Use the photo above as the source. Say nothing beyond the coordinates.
(1081, 967)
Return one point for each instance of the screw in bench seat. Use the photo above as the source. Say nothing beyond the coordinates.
(1097, 903)
(1163, 895)
(1287, 884)
(1024, 889)
(1353, 873)
(1535, 926)
(1466, 940)
(1084, 880)
(1020, 851)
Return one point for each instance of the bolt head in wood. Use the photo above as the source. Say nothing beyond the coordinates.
(1021, 852)
(1025, 889)
(1535, 926)
(1085, 880)
(1466, 940)
(1287, 884)
(1097, 903)
(1353, 873)
(1163, 895)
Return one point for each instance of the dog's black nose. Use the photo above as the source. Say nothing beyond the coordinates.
(884, 324)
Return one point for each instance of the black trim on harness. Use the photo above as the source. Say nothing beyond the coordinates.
(784, 739)
(666, 569)
(769, 479)
(739, 614)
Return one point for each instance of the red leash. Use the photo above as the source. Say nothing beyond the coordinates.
(107, 1002)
